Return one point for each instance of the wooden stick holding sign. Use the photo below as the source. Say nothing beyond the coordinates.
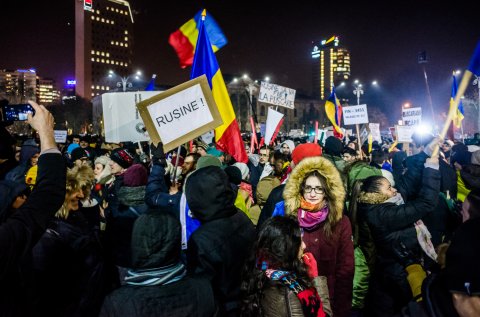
(357, 126)
(181, 113)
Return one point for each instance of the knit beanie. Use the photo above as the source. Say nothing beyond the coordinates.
(333, 146)
(305, 150)
(122, 157)
(136, 175)
(214, 152)
(102, 160)
(78, 154)
(234, 174)
(208, 160)
(290, 144)
(72, 147)
(243, 169)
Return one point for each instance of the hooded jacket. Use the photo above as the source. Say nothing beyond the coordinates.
(334, 252)
(156, 243)
(219, 247)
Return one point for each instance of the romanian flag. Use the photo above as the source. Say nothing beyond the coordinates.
(227, 136)
(333, 109)
(184, 39)
(459, 114)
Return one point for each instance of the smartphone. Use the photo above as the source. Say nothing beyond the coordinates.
(16, 112)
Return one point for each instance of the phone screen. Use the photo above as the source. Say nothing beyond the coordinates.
(17, 112)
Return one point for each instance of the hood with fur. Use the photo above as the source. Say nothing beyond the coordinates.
(335, 188)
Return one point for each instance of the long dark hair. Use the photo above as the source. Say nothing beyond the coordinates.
(370, 184)
(277, 247)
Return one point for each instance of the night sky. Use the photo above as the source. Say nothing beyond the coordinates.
(271, 39)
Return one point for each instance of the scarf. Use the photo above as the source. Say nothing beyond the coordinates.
(423, 235)
(309, 215)
(156, 276)
(308, 297)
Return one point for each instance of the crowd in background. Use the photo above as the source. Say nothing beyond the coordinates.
(90, 228)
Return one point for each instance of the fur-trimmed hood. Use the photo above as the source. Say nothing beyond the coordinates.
(335, 188)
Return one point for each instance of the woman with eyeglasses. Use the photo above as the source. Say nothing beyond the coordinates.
(315, 195)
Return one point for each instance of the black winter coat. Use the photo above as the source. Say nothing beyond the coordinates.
(22, 230)
(219, 247)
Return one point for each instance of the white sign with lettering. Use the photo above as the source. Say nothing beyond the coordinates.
(375, 131)
(412, 116)
(355, 114)
(404, 133)
(276, 95)
(60, 136)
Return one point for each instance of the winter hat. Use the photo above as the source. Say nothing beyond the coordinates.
(463, 259)
(243, 169)
(333, 146)
(305, 150)
(201, 144)
(234, 174)
(136, 175)
(214, 152)
(78, 154)
(122, 157)
(208, 160)
(72, 147)
(102, 160)
(28, 149)
(9, 190)
(476, 157)
(290, 144)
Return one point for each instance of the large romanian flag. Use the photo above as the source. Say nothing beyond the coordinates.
(227, 136)
(333, 109)
(184, 39)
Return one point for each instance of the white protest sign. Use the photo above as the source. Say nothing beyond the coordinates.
(181, 113)
(121, 119)
(375, 131)
(276, 95)
(355, 114)
(208, 137)
(321, 136)
(329, 132)
(412, 116)
(273, 119)
(404, 133)
(60, 136)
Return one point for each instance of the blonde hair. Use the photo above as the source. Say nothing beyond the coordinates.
(79, 177)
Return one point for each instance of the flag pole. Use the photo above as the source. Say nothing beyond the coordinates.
(453, 108)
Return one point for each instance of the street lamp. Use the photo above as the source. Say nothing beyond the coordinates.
(358, 91)
(124, 83)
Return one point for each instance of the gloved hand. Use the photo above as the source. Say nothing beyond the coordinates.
(311, 264)
(404, 255)
(158, 155)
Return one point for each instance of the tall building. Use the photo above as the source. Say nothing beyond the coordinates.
(18, 86)
(103, 42)
(46, 92)
(330, 65)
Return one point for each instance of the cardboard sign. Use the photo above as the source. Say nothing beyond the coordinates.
(355, 114)
(276, 95)
(121, 120)
(412, 116)
(375, 131)
(404, 133)
(60, 136)
(181, 113)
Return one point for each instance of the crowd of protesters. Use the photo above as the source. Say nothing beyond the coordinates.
(90, 228)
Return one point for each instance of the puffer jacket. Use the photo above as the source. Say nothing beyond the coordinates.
(334, 253)
(387, 224)
(219, 247)
(280, 301)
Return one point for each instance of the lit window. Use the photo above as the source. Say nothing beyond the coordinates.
(121, 43)
(98, 52)
(108, 54)
(93, 87)
(93, 94)
(126, 45)
(98, 11)
(126, 65)
(103, 87)
(93, 59)
(116, 43)
(103, 54)
(93, 18)
(108, 8)
(111, 42)
(103, 20)
(116, 10)
(98, 19)
(113, 22)
(108, 61)
(126, 38)
(121, 63)
(93, 52)
(103, 61)
(98, 59)
(126, 32)
(98, 87)
(108, 88)
(116, 63)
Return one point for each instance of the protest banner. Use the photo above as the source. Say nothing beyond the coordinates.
(412, 116)
(181, 113)
(355, 115)
(404, 133)
(60, 136)
(276, 95)
(375, 131)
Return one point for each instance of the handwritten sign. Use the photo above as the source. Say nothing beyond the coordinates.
(355, 114)
(276, 95)
(412, 116)
(404, 133)
(375, 131)
(181, 113)
(60, 136)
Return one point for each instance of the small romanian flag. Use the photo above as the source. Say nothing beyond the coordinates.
(227, 136)
(184, 39)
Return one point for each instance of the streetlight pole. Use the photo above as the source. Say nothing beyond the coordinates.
(358, 91)
(123, 83)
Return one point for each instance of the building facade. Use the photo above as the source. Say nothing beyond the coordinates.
(330, 66)
(46, 91)
(18, 86)
(103, 43)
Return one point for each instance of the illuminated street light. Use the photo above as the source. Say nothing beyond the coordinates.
(267, 78)
(375, 83)
(358, 91)
(245, 76)
(123, 83)
(406, 105)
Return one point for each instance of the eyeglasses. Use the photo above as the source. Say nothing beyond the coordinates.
(318, 189)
